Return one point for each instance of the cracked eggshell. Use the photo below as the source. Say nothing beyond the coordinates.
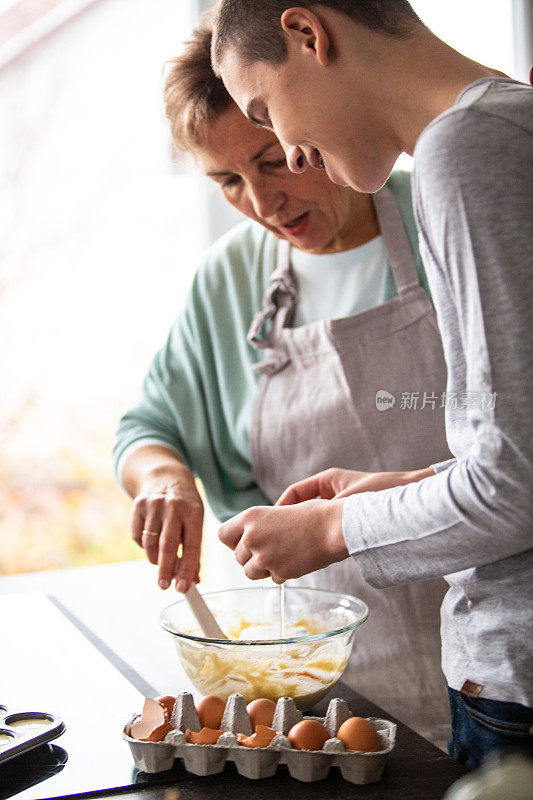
(205, 736)
(157, 735)
(153, 725)
(261, 738)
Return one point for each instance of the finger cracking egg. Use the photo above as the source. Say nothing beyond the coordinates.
(261, 711)
(359, 734)
(210, 711)
(308, 735)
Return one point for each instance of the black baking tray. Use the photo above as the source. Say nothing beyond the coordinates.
(22, 730)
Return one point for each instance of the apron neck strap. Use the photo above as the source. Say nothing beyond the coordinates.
(281, 296)
(396, 242)
(279, 301)
(283, 263)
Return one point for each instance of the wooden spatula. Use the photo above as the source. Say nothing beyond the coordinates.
(205, 618)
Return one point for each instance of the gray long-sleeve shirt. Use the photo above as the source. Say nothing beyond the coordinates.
(473, 522)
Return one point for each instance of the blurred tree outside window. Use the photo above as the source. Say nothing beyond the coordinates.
(100, 236)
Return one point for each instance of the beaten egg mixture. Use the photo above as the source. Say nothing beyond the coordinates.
(305, 672)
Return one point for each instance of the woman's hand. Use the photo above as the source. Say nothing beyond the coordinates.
(167, 512)
(286, 542)
(337, 483)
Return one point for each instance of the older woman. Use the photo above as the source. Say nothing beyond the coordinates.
(305, 331)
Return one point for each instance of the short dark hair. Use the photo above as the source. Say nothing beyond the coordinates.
(194, 95)
(253, 28)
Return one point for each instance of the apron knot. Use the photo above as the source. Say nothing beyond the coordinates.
(281, 294)
(273, 362)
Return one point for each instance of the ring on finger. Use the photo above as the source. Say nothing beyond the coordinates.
(150, 533)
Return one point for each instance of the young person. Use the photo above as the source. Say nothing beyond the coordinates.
(347, 85)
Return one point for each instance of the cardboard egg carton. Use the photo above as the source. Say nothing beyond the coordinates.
(262, 762)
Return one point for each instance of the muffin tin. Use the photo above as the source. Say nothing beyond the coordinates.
(262, 762)
(18, 734)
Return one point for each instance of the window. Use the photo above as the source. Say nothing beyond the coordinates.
(99, 244)
(480, 29)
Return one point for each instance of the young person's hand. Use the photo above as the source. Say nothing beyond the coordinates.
(337, 483)
(167, 512)
(286, 542)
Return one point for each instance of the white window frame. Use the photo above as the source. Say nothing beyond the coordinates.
(523, 37)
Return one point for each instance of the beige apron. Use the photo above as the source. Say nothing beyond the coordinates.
(316, 408)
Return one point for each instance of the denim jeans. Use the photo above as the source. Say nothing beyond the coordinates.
(481, 726)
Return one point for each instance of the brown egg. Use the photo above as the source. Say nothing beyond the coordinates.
(261, 738)
(167, 702)
(210, 711)
(205, 736)
(308, 735)
(261, 711)
(359, 734)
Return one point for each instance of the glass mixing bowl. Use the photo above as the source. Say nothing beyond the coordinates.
(293, 647)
